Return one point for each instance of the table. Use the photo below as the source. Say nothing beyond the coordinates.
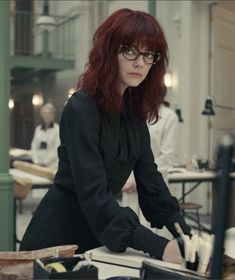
(128, 263)
(183, 176)
(38, 182)
(17, 152)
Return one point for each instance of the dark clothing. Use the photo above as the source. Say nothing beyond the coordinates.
(97, 153)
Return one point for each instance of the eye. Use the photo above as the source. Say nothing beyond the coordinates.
(149, 55)
(129, 50)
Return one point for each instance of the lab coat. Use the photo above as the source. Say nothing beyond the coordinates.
(46, 154)
(163, 137)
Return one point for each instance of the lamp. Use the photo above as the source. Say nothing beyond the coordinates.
(11, 103)
(208, 109)
(168, 80)
(37, 99)
(45, 22)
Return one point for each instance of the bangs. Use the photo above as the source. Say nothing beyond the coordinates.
(141, 31)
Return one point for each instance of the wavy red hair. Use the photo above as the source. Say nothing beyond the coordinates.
(100, 80)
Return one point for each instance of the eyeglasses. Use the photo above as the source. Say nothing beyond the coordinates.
(132, 53)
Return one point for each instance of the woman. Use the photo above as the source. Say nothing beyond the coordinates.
(104, 136)
(46, 138)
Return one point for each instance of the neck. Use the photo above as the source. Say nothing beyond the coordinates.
(47, 125)
(122, 90)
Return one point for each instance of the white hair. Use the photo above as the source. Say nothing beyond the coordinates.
(48, 107)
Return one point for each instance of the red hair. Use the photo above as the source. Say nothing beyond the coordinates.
(100, 78)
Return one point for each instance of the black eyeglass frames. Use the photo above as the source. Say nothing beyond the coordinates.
(132, 53)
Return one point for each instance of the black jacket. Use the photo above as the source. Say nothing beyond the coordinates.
(97, 153)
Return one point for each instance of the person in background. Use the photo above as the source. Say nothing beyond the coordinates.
(164, 137)
(104, 136)
(46, 139)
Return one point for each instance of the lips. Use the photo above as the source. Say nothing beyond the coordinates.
(135, 75)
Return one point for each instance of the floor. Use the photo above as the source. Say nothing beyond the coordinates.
(32, 201)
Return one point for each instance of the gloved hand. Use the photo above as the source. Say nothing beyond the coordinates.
(196, 251)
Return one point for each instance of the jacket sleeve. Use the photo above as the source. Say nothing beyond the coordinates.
(115, 227)
(157, 204)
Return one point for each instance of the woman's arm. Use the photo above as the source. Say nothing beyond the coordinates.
(157, 204)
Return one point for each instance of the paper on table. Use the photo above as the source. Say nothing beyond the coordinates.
(130, 257)
(176, 170)
(133, 259)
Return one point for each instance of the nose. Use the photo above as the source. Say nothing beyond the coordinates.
(139, 61)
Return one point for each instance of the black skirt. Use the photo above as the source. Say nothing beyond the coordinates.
(58, 220)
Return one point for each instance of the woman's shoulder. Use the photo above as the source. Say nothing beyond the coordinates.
(82, 99)
(81, 104)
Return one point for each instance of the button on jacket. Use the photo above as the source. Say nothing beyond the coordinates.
(97, 153)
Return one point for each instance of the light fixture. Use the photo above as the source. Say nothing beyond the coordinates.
(11, 103)
(168, 80)
(45, 23)
(208, 109)
(37, 100)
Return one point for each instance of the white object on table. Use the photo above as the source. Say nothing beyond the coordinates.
(36, 180)
(127, 263)
(16, 152)
(230, 242)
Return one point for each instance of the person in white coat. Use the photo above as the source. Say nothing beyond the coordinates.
(164, 136)
(46, 139)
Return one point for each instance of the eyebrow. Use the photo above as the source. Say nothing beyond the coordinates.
(147, 51)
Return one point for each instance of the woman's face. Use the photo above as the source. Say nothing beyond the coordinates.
(47, 116)
(133, 65)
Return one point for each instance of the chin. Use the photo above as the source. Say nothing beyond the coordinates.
(134, 84)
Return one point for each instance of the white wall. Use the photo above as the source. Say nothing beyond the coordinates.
(141, 5)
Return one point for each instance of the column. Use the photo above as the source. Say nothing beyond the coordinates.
(6, 182)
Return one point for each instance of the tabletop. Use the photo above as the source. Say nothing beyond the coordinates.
(36, 180)
(179, 175)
